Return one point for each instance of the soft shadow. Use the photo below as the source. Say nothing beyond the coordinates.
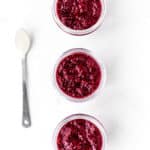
(111, 22)
(111, 108)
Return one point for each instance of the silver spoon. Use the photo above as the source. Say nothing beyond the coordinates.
(23, 43)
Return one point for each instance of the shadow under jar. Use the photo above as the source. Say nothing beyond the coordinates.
(80, 132)
(78, 75)
(79, 17)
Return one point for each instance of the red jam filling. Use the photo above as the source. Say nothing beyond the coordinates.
(78, 75)
(79, 134)
(79, 14)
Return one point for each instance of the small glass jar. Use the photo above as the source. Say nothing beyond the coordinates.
(99, 63)
(84, 117)
(83, 31)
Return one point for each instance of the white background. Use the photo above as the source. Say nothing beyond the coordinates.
(122, 43)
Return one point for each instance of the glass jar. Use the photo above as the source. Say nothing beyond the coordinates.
(79, 32)
(90, 124)
(99, 64)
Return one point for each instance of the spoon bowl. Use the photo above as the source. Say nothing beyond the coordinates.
(23, 41)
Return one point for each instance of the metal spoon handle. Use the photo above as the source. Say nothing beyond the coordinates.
(26, 120)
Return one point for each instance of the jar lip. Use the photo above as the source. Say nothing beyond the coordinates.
(87, 117)
(102, 81)
(79, 32)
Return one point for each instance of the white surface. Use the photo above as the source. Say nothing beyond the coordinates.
(123, 44)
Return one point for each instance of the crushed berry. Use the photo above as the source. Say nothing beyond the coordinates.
(78, 75)
(79, 134)
(79, 14)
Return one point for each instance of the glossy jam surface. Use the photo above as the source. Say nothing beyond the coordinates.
(79, 14)
(78, 75)
(79, 134)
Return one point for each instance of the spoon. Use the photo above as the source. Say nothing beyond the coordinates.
(23, 43)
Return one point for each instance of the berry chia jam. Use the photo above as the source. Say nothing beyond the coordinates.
(78, 75)
(79, 14)
(80, 134)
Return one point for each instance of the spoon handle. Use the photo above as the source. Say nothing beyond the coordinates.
(26, 120)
